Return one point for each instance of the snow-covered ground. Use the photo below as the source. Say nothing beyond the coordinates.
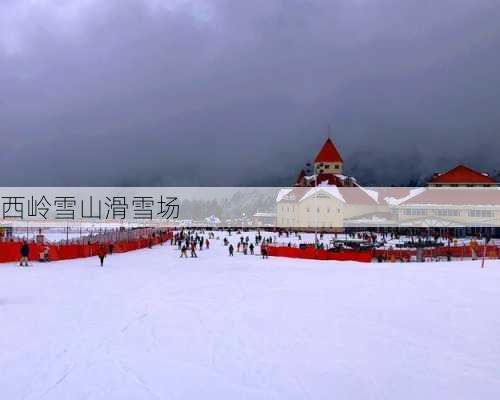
(150, 325)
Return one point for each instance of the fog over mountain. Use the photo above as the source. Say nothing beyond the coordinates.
(226, 92)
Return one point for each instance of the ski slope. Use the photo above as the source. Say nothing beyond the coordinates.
(152, 326)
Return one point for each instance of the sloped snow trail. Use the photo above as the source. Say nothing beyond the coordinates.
(152, 326)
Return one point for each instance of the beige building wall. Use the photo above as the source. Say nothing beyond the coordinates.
(324, 211)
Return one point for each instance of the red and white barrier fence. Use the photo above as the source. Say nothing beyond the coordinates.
(10, 251)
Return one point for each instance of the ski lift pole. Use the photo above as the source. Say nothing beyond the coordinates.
(316, 208)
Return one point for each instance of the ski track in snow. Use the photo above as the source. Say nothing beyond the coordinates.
(150, 325)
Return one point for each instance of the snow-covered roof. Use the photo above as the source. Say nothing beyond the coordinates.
(265, 214)
(212, 219)
(333, 191)
(462, 174)
(282, 193)
(396, 202)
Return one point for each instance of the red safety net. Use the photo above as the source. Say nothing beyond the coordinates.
(10, 251)
(310, 252)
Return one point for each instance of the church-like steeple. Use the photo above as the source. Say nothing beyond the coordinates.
(328, 159)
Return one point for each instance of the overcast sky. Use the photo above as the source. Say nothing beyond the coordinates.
(234, 92)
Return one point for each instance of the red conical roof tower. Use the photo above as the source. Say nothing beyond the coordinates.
(328, 153)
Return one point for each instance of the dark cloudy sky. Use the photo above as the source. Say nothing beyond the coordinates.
(233, 92)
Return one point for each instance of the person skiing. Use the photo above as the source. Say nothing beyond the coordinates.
(101, 253)
(263, 251)
(184, 251)
(207, 244)
(193, 249)
(231, 250)
(46, 254)
(25, 253)
(251, 247)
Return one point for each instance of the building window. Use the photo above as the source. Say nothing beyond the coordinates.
(446, 213)
(415, 212)
(481, 213)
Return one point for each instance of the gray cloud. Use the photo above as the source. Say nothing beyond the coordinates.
(172, 92)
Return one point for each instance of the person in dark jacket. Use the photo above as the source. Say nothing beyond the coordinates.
(263, 251)
(25, 253)
(184, 251)
(193, 249)
(102, 252)
(231, 250)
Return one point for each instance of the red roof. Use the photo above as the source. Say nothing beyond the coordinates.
(462, 174)
(328, 153)
(356, 195)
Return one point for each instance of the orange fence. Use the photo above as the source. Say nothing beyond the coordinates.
(10, 251)
(444, 251)
(312, 253)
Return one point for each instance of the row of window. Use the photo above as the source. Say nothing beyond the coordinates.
(327, 166)
(293, 222)
(292, 209)
(419, 212)
(481, 213)
(461, 185)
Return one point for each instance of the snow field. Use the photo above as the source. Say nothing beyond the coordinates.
(150, 325)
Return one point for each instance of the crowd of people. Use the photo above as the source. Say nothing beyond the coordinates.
(190, 242)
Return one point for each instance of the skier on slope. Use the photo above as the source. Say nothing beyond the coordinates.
(263, 250)
(231, 250)
(184, 251)
(193, 249)
(101, 253)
